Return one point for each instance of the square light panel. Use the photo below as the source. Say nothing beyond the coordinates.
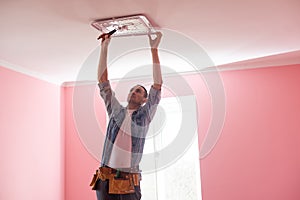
(125, 26)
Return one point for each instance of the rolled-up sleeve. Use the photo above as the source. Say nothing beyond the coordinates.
(153, 100)
(108, 96)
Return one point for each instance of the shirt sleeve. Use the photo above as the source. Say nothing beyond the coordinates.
(151, 105)
(111, 103)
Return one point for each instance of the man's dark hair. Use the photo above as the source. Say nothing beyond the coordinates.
(145, 91)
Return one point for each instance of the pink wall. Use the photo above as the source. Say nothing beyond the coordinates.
(31, 142)
(256, 157)
(80, 164)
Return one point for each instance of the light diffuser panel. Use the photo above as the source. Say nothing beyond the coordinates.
(125, 26)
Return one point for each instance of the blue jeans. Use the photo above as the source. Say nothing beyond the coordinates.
(102, 193)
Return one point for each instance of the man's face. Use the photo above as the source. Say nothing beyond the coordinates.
(136, 95)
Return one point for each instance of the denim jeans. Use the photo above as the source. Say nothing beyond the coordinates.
(102, 193)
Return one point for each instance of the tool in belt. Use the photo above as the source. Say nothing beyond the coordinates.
(119, 182)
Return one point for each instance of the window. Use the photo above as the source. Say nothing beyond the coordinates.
(179, 179)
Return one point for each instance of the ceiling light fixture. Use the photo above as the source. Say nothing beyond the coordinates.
(125, 26)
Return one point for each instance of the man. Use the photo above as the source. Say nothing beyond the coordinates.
(119, 175)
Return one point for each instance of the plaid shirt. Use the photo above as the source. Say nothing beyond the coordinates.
(141, 119)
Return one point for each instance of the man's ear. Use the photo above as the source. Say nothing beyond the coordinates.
(145, 100)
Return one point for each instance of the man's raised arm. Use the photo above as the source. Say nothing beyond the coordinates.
(102, 66)
(157, 77)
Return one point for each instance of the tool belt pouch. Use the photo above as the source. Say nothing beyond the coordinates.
(117, 185)
(124, 185)
(94, 180)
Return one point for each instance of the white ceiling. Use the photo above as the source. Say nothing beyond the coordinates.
(51, 39)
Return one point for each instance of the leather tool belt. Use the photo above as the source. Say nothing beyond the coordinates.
(119, 182)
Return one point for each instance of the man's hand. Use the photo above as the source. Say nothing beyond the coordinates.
(155, 41)
(105, 40)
